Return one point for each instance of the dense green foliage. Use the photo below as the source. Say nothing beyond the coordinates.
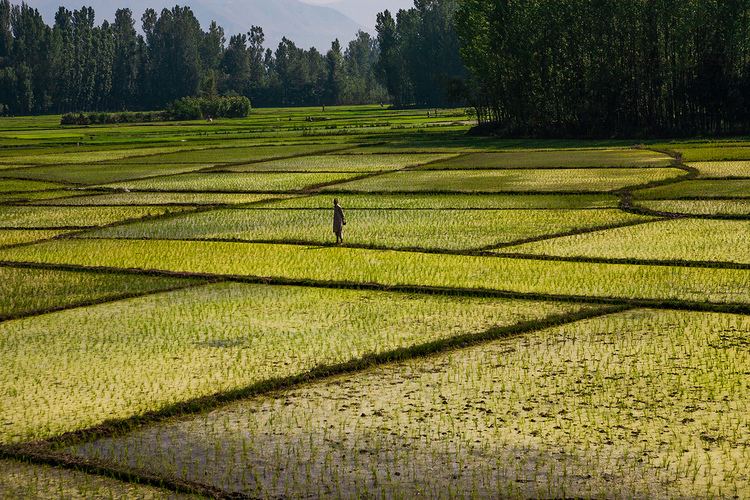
(609, 67)
(419, 62)
(76, 66)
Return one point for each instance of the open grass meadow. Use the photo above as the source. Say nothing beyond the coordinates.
(506, 318)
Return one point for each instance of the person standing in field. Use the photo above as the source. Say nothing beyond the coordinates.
(339, 221)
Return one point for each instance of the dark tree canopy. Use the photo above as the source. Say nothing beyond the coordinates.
(609, 67)
(420, 63)
(75, 65)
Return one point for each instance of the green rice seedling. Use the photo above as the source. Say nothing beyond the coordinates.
(147, 199)
(37, 196)
(22, 480)
(14, 237)
(218, 155)
(714, 153)
(50, 217)
(392, 268)
(698, 207)
(672, 240)
(455, 201)
(339, 163)
(433, 229)
(697, 189)
(487, 181)
(219, 182)
(23, 186)
(606, 407)
(30, 291)
(12, 166)
(75, 369)
(723, 169)
(56, 158)
(100, 173)
(557, 159)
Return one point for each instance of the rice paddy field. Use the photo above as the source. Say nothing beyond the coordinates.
(505, 318)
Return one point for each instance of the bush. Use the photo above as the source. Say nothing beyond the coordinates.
(194, 108)
(75, 119)
(187, 108)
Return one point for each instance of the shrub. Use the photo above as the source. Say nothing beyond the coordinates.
(187, 108)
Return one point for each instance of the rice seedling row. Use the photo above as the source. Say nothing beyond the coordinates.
(44, 482)
(120, 199)
(655, 285)
(504, 181)
(684, 240)
(654, 401)
(239, 154)
(12, 186)
(709, 208)
(57, 158)
(146, 353)
(338, 163)
(28, 291)
(721, 153)
(722, 169)
(233, 183)
(11, 237)
(452, 230)
(453, 202)
(602, 158)
(97, 173)
(38, 217)
(698, 189)
(37, 196)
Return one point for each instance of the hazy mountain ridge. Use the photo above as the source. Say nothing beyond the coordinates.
(307, 25)
(364, 11)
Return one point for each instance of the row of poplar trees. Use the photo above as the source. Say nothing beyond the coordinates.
(76, 65)
(608, 67)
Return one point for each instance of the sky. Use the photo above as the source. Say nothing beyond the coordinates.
(363, 11)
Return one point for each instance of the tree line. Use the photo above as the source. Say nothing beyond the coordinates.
(75, 65)
(608, 67)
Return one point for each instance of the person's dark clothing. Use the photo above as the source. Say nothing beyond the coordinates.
(339, 221)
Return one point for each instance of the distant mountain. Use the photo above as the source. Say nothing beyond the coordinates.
(306, 25)
(364, 11)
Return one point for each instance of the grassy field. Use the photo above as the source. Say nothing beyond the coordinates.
(499, 181)
(46, 217)
(340, 163)
(22, 480)
(159, 350)
(672, 240)
(507, 318)
(223, 182)
(596, 158)
(723, 169)
(433, 229)
(699, 207)
(698, 189)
